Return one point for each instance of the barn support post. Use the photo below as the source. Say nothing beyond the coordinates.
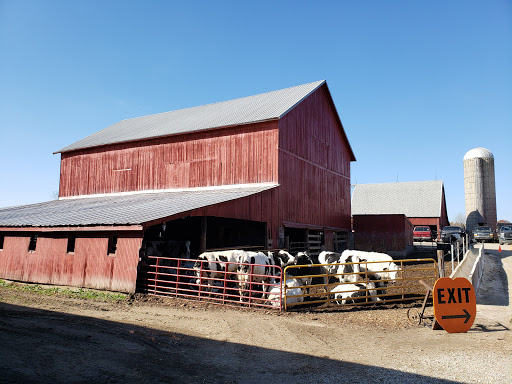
(202, 239)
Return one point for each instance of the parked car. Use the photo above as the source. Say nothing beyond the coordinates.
(422, 233)
(505, 235)
(483, 234)
(451, 232)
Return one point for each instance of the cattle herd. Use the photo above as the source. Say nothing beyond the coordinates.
(348, 277)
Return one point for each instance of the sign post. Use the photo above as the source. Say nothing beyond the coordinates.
(454, 304)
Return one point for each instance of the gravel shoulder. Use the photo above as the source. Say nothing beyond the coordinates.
(55, 339)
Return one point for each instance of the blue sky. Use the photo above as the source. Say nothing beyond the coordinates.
(416, 84)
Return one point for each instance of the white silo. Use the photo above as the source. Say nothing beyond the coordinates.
(479, 188)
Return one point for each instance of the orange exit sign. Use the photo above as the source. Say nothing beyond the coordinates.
(454, 304)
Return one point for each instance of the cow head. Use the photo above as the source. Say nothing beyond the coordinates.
(303, 258)
(393, 271)
(285, 258)
(186, 253)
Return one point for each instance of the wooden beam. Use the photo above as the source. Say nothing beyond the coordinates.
(202, 239)
(101, 228)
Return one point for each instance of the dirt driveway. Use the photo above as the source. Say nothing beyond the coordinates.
(55, 339)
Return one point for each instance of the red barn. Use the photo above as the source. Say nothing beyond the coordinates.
(269, 171)
(422, 202)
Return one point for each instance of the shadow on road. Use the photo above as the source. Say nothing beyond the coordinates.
(51, 347)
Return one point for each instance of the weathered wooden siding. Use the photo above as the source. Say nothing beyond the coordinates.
(89, 266)
(314, 174)
(312, 132)
(237, 155)
(382, 233)
(314, 165)
(312, 195)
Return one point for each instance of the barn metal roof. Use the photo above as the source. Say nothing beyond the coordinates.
(251, 109)
(122, 209)
(413, 199)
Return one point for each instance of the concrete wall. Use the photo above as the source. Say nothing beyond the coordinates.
(471, 267)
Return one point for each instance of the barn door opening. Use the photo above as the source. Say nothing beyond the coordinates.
(167, 239)
(226, 233)
(340, 240)
(295, 240)
(303, 239)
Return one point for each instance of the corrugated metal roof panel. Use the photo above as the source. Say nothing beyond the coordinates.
(251, 109)
(413, 199)
(122, 209)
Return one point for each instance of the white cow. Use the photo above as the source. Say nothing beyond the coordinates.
(293, 291)
(347, 293)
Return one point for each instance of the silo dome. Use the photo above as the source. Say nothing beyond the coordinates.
(479, 152)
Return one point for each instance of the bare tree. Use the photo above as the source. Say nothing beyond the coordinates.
(459, 220)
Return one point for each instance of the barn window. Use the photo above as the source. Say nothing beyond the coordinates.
(112, 245)
(32, 243)
(71, 244)
(2, 237)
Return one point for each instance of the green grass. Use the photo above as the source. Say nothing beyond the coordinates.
(79, 293)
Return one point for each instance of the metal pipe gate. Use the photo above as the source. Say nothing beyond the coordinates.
(406, 287)
(210, 281)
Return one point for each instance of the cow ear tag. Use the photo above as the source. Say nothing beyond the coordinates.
(454, 304)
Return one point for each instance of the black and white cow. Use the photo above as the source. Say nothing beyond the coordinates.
(304, 270)
(377, 267)
(216, 266)
(255, 267)
(283, 258)
(354, 293)
(343, 272)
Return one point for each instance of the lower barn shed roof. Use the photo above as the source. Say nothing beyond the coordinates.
(122, 209)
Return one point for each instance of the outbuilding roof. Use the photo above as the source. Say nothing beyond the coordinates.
(413, 199)
(251, 109)
(122, 209)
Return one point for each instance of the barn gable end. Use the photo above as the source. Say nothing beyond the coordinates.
(314, 164)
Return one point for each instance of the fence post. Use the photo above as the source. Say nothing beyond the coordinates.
(156, 270)
(452, 250)
(440, 262)
(177, 278)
